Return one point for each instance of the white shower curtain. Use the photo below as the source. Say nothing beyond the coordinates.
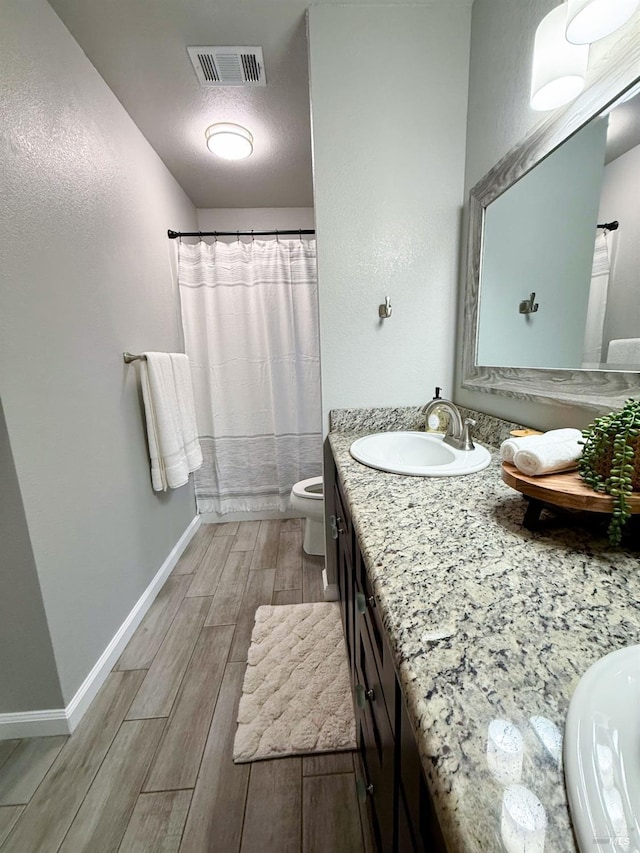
(250, 317)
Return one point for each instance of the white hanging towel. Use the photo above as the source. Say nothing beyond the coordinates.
(186, 409)
(170, 463)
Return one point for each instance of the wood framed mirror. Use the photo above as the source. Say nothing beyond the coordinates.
(582, 383)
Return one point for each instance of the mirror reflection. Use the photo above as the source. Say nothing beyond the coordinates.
(560, 269)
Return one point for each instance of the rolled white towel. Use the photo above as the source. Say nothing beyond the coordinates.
(511, 446)
(548, 458)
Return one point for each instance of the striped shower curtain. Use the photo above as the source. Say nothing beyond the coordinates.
(250, 318)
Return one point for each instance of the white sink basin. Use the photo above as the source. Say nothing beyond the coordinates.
(602, 754)
(420, 454)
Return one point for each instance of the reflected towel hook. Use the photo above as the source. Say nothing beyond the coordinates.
(384, 310)
(529, 306)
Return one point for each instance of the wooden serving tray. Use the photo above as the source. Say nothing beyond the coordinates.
(566, 490)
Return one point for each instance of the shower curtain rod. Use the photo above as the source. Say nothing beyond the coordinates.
(609, 226)
(277, 233)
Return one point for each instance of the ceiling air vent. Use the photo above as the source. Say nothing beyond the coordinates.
(228, 66)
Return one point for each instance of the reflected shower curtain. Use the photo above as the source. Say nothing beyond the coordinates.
(250, 317)
(597, 305)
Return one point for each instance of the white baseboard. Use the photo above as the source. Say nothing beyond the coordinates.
(60, 721)
(34, 724)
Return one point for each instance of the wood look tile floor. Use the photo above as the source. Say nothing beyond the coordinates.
(149, 768)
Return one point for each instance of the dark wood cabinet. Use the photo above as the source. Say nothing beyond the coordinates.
(391, 780)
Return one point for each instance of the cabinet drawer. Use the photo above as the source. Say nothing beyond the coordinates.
(368, 689)
(369, 624)
(364, 585)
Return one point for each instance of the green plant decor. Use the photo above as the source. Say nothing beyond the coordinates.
(608, 462)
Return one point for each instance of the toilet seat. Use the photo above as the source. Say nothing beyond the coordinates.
(310, 489)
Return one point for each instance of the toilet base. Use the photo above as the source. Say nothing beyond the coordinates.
(313, 537)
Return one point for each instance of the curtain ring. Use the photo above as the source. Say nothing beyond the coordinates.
(253, 239)
(237, 236)
(215, 236)
(200, 236)
(301, 235)
(277, 236)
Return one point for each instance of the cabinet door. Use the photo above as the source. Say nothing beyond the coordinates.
(346, 574)
(405, 838)
(377, 746)
(414, 795)
(390, 778)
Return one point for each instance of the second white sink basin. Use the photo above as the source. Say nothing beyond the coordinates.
(420, 454)
(602, 754)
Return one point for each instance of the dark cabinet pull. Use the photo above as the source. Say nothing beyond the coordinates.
(362, 602)
(363, 695)
(364, 790)
(335, 523)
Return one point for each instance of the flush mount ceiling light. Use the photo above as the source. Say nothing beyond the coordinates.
(231, 141)
(559, 68)
(590, 20)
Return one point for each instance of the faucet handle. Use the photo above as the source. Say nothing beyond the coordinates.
(467, 440)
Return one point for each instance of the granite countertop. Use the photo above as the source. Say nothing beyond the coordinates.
(487, 621)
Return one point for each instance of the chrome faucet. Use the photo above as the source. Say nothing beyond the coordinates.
(458, 434)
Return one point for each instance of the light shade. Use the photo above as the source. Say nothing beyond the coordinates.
(231, 141)
(590, 20)
(559, 68)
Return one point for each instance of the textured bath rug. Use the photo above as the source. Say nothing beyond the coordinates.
(296, 696)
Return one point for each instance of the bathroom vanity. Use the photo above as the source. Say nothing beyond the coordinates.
(456, 618)
(390, 779)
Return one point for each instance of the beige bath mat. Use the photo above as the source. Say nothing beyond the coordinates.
(296, 696)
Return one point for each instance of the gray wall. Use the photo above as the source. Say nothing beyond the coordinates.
(87, 273)
(538, 238)
(499, 116)
(28, 676)
(389, 99)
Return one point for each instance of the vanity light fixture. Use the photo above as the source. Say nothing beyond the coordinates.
(559, 68)
(590, 20)
(228, 140)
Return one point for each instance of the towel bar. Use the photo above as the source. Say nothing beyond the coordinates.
(129, 357)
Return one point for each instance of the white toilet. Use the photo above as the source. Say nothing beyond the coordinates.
(307, 498)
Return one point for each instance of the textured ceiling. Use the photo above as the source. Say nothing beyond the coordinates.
(139, 48)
